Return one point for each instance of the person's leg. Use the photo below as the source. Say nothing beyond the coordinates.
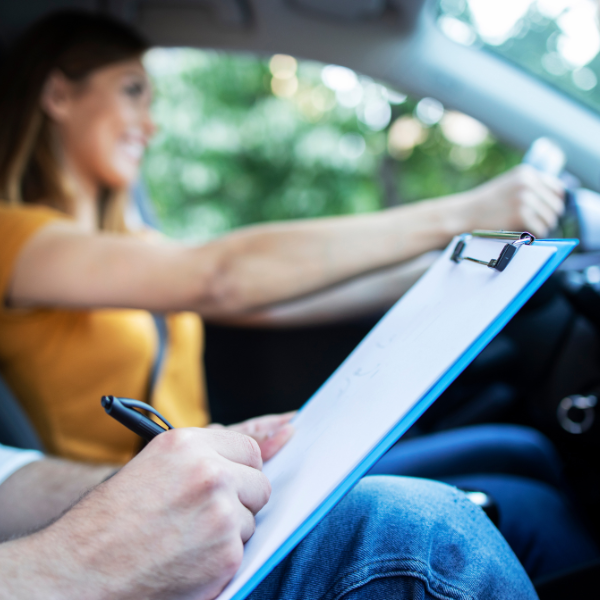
(509, 449)
(537, 521)
(400, 538)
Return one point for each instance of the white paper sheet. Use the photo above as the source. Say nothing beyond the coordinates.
(408, 351)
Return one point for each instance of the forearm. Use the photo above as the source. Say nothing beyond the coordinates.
(41, 491)
(278, 262)
(365, 295)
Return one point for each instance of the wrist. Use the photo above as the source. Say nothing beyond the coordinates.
(39, 567)
(72, 558)
(457, 213)
(429, 224)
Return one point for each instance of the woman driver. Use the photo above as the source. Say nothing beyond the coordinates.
(78, 286)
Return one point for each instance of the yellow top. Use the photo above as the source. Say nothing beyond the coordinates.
(60, 362)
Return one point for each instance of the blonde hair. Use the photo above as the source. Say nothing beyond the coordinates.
(76, 43)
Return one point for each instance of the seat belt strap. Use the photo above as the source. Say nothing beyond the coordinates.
(162, 331)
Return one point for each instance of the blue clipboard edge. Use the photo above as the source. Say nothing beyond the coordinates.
(563, 249)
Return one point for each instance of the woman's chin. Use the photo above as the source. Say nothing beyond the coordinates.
(122, 178)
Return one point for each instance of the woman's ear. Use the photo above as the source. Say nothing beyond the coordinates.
(56, 96)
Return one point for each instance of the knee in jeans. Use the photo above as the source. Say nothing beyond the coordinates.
(417, 519)
(396, 504)
(391, 526)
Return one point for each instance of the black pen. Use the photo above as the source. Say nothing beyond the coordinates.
(124, 411)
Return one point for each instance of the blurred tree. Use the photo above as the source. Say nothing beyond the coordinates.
(558, 41)
(243, 139)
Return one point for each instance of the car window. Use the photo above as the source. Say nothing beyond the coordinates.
(245, 139)
(556, 40)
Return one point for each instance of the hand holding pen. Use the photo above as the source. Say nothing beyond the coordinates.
(271, 432)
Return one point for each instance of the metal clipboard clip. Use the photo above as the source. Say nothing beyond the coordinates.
(517, 238)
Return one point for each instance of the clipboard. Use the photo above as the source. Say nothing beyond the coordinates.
(488, 262)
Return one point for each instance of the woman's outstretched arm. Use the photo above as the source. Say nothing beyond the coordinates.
(263, 265)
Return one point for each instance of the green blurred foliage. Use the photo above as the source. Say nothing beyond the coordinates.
(228, 152)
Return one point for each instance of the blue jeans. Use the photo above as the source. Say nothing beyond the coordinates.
(508, 449)
(521, 470)
(400, 538)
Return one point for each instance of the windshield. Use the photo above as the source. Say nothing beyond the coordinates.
(556, 40)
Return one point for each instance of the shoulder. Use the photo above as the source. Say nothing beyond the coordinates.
(18, 222)
(29, 212)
